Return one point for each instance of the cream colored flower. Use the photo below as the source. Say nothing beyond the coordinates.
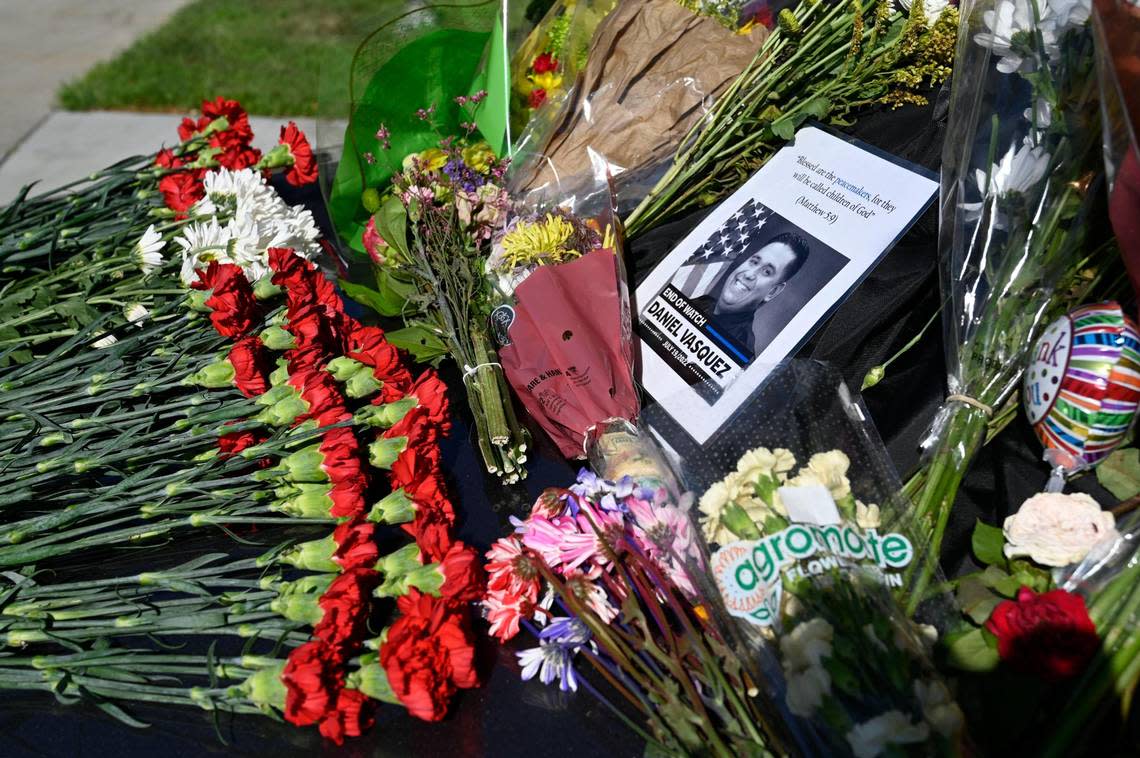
(831, 469)
(872, 737)
(806, 689)
(764, 462)
(1055, 529)
(939, 708)
(807, 644)
(712, 505)
(867, 516)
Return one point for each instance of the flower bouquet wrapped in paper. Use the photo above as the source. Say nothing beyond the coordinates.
(564, 323)
(1021, 169)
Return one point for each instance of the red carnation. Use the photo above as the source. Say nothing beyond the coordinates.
(428, 654)
(311, 677)
(167, 159)
(349, 717)
(432, 528)
(189, 127)
(304, 170)
(416, 426)
(463, 578)
(232, 443)
(234, 151)
(251, 366)
(431, 393)
(234, 310)
(318, 388)
(231, 110)
(180, 191)
(345, 606)
(1050, 635)
(356, 544)
(373, 243)
(537, 97)
(543, 63)
(348, 497)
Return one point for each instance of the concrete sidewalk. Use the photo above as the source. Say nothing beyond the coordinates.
(69, 146)
(48, 42)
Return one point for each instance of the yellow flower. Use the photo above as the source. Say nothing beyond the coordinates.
(479, 156)
(547, 80)
(537, 241)
(431, 159)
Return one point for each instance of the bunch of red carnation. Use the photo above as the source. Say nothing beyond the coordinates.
(429, 652)
(222, 137)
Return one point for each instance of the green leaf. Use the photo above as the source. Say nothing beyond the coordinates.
(972, 651)
(785, 128)
(987, 542)
(1000, 581)
(817, 107)
(120, 715)
(1119, 473)
(424, 345)
(976, 599)
(386, 304)
(392, 223)
(492, 114)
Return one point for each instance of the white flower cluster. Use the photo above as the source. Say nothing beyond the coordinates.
(752, 487)
(238, 220)
(803, 651)
(940, 713)
(1025, 33)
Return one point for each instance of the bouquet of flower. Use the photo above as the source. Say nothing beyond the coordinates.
(136, 456)
(824, 60)
(598, 575)
(450, 200)
(806, 543)
(1020, 170)
(568, 356)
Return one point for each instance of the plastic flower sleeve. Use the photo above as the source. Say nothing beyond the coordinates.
(808, 544)
(1021, 170)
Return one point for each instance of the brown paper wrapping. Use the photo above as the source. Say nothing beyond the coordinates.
(654, 68)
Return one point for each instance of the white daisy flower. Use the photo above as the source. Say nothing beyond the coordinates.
(1018, 171)
(932, 9)
(1012, 20)
(148, 250)
(202, 242)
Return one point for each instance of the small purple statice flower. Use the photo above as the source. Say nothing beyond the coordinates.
(383, 136)
(462, 175)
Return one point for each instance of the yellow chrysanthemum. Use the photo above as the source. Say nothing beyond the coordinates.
(539, 241)
(479, 156)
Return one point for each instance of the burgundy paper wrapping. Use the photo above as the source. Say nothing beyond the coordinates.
(569, 352)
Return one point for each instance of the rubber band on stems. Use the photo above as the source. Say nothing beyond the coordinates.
(972, 402)
(469, 371)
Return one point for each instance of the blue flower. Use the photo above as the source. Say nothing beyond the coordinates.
(566, 631)
(549, 661)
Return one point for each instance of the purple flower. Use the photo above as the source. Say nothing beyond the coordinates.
(549, 661)
(425, 114)
(566, 631)
(462, 175)
(383, 136)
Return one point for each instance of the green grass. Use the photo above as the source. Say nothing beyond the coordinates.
(266, 53)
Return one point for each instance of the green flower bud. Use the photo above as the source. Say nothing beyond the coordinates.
(196, 301)
(387, 415)
(265, 687)
(265, 289)
(788, 24)
(285, 410)
(305, 501)
(217, 374)
(395, 508)
(362, 384)
(315, 555)
(343, 368)
(297, 601)
(427, 579)
(383, 452)
(276, 338)
(305, 465)
(370, 199)
(278, 157)
(736, 520)
(55, 438)
(399, 562)
(873, 377)
(280, 375)
(372, 680)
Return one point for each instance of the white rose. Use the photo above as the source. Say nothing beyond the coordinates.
(806, 690)
(872, 737)
(807, 645)
(938, 708)
(1055, 529)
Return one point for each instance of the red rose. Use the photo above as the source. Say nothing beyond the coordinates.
(463, 578)
(428, 654)
(180, 191)
(345, 604)
(543, 63)
(1050, 635)
(537, 97)
(311, 677)
(349, 716)
(251, 366)
(304, 169)
(234, 310)
(356, 544)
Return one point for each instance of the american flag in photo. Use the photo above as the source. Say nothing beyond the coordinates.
(733, 237)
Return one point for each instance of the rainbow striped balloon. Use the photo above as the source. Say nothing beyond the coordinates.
(1082, 386)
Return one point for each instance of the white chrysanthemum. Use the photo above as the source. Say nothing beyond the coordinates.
(939, 708)
(806, 689)
(148, 250)
(932, 9)
(1012, 20)
(1055, 529)
(136, 313)
(202, 242)
(871, 738)
(1018, 171)
(867, 516)
(807, 644)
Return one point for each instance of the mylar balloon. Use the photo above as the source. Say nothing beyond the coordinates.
(1082, 385)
